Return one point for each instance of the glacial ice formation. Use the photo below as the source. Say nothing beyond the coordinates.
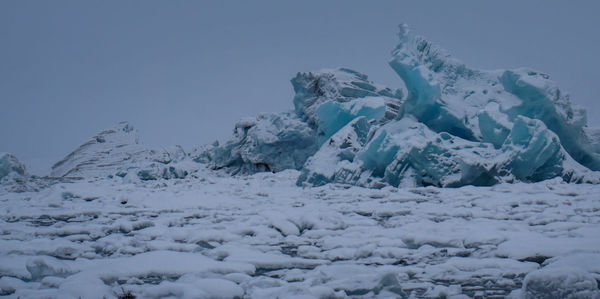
(10, 165)
(447, 96)
(329, 99)
(269, 142)
(14, 176)
(118, 152)
(448, 126)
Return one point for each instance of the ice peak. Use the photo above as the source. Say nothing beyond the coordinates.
(453, 126)
(117, 152)
(123, 133)
(419, 52)
(10, 164)
(403, 31)
(338, 85)
(117, 144)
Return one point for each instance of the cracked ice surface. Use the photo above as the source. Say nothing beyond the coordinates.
(211, 235)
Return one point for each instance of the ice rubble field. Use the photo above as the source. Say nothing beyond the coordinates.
(261, 236)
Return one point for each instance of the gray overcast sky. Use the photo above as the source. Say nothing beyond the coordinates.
(183, 72)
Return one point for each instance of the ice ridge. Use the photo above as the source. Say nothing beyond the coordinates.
(448, 126)
(118, 152)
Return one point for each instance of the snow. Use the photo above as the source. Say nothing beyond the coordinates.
(212, 235)
(9, 164)
(563, 283)
(117, 151)
(338, 198)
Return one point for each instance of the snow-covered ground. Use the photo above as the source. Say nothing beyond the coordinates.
(261, 236)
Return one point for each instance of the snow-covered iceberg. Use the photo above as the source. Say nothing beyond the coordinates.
(10, 166)
(479, 105)
(448, 125)
(117, 152)
(325, 102)
(14, 176)
(269, 142)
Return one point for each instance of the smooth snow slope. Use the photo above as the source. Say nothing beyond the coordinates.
(215, 236)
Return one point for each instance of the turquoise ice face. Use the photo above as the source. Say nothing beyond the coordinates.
(447, 125)
(333, 115)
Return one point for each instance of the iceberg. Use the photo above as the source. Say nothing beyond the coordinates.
(14, 176)
(334, 160)
(325, 102)
(118, 152)
(479, 105)
(329, 99)
(447, 126)
(10, 166)
(269, 142)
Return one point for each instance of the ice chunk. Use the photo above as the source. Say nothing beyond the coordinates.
(408, 153)
(341, 85)
(10, 164)
(559, 283)
(544, 101)
(14, 177)
(43, 266)
(325, 102)
(444, 161)
(587, 261)
(94, 277)
(429, 72)
(12, 265)
(112, 148)
(332, 115)
(448, 96)
(266, 260)
(269, 142)
(116, 152)
(204, 153)
(196, 288)
(536, 151)
(494, 125)
(334, 160)
(469, 127)
(399, 152)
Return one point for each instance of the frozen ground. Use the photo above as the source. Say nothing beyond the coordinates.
(261, 236)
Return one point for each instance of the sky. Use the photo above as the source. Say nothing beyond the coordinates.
(183, 72)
